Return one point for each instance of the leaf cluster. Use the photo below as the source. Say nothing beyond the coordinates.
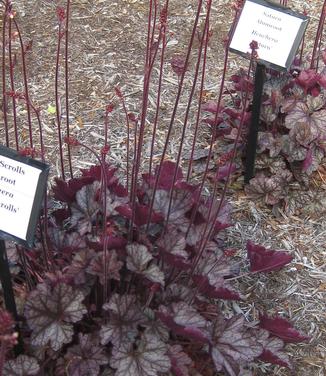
(134, 292)
(292, 132)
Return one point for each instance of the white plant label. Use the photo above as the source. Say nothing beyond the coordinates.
(18, 184)
(277, 32)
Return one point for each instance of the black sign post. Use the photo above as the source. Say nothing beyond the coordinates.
(254, 124)
(22, 187)
(278, 32)
(8, 293)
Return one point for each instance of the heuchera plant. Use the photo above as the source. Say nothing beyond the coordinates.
(160, 312)
(292, 128)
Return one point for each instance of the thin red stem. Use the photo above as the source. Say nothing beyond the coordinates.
(29, 118)
(57, 102)
(159, 89)
(174, 112)
(318, 36)
(3, 71)
(184, 128)
(67, 84)
(12, 86)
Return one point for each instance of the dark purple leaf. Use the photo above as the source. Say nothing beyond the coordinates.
(272, 353)
(50, 313)
(23, 365)
(220, 290)
(66, 191)
(282, 328)
(146, 357)
(264, 260)
(165, 180)
(96, 173)
(244, 85)
(141, 214)
(314, 159)
(185, 321)
(87, 357)
(273, 350)
(61, 215)
(111, 242)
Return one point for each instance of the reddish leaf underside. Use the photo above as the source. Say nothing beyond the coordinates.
(185, 321)
(273, 350)
(180, 361)
(264, 260)
(282, 328)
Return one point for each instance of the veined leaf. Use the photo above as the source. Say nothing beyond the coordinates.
(50, 313)
(124, 318)
(138, 261)
(145, 357)
(23, 365)
(85, 358)
(233, 345)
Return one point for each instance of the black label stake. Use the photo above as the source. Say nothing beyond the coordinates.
(254, 125)
(8, 292)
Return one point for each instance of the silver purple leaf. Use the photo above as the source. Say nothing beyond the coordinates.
(139, 261)
(86, 358)
(146, 357)
(50, 313)
(23, 365)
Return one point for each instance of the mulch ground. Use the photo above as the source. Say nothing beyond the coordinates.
(107, 44)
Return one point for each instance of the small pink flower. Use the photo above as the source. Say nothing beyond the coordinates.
(61, 14)
(105, 150)
(118, 92)
(109, 108)
(71, 141)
